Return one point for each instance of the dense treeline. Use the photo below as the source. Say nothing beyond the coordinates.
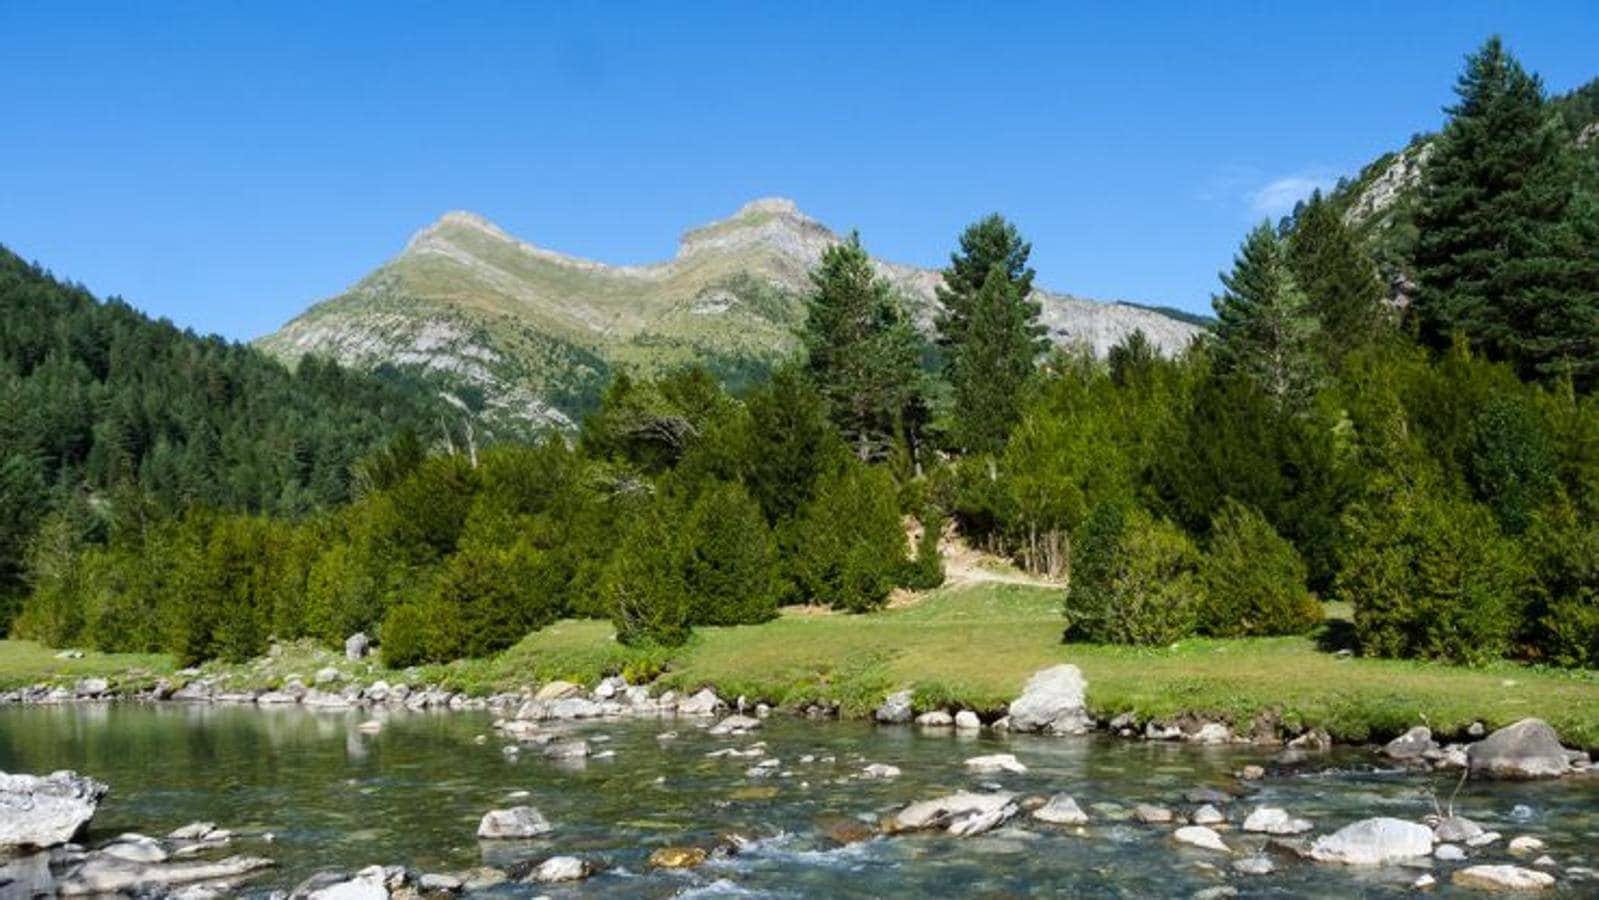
(1435, 463)
(115, 419)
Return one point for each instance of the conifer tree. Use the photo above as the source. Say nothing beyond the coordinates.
(863, 353)
(1266, 328)
(1338, 278)
(989, 331)
(1508, 245)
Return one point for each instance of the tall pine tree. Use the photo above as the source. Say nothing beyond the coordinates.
(988, 330)
(1508, 247)
(1266, 329)
(1338, 278)
(863, 352)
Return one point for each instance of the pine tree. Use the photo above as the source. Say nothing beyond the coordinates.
(1338, 279)
(1508, 246)
(1266, 329)
(863, 353)
(989, 331)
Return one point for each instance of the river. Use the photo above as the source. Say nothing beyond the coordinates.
(332, 797)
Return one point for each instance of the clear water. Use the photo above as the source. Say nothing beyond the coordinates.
(334, 798)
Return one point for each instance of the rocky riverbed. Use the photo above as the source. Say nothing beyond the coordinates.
(559, 793)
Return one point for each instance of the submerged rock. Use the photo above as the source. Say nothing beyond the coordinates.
(880, 770)
(108, 875)
(961, 814)
(1374, 842)
(43, 811)
(516, 823)
(677, 857)
(735, 724)
(896, 709)
(1502, 878)
(1528, 749)
(1061, 810)
(1052, 702)
(136, 848)
(996, 762)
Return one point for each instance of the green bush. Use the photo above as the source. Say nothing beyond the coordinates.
(1134, 580)
(644, 586)
(730, 563)
(849, 549)
(1253, 579)
(403, 637)
(926, 571)
(1431, 577)
(1562, 624)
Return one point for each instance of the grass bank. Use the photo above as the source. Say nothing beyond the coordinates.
(973, 646)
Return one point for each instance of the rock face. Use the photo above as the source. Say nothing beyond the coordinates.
(1374, 842)
(961, 814)
(1527, 749)
(1052, 702)
(896, 709)
(45, 811)
(1502, 878)
(516, 823)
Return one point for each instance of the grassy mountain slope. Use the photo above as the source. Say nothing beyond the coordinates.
(527, 337)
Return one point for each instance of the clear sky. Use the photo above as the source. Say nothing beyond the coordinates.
(225, 164)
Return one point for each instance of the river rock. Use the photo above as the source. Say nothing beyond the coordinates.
(996, 762)
(677, 857)
(357, 646)
(1207, 815)
(194, 831)
(735, 724)
(896, 709)
(136, 848)
(880, 770)
(1374, 842)
(108, 875)
(1527, 749)
(567, 750)
(371, 883)
(1052, 702)
(1254, 865)
(1502, 878)
(45, 811)
(1211, 733)
(1150, 814)
(966, 720)
(440, 882)
(1448, 853)
(704, 703)
(936, 718)
(1061, 810)
(92, 687)
(557, 869)
(1411, 745)
(1525, 846)
(1273, 820)
(516, 823)
(962, 814)
(1456, 829)
(1201, 837)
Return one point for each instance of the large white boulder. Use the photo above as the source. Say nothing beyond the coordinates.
(43, 811)
(1052, 702)
(962, 814)
(1527, 749)
(1374, 842)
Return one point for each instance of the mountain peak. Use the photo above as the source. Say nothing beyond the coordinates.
(781, 206)
(455, 220)
(770, 222)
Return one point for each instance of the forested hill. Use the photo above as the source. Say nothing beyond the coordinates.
(109, 415)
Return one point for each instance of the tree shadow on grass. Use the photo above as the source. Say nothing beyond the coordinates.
(1335, 635)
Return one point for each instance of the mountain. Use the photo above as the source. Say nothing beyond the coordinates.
(527, 337)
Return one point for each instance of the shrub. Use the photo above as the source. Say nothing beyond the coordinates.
(849, 549)
(1253, 579)
(1431, 577)
(1134, 580)
(644, 586)
(926, 571)
(403, 637)
(1562, 627)
(730, 562)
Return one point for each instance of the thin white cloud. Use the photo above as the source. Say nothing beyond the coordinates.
(1277, 197)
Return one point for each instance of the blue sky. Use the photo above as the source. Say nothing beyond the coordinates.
(225, 164)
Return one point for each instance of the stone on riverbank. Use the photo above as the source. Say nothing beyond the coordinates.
(966, 720)
(1527, 749)
(1411, 745)
(1502, 878)
(896, 709)
(1052, 702)
(704, 703)
(962, 814)
(45, 811)
(1061, 810)
(516, 823)
(936, 718)
(357, 646)
(1374, 842)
